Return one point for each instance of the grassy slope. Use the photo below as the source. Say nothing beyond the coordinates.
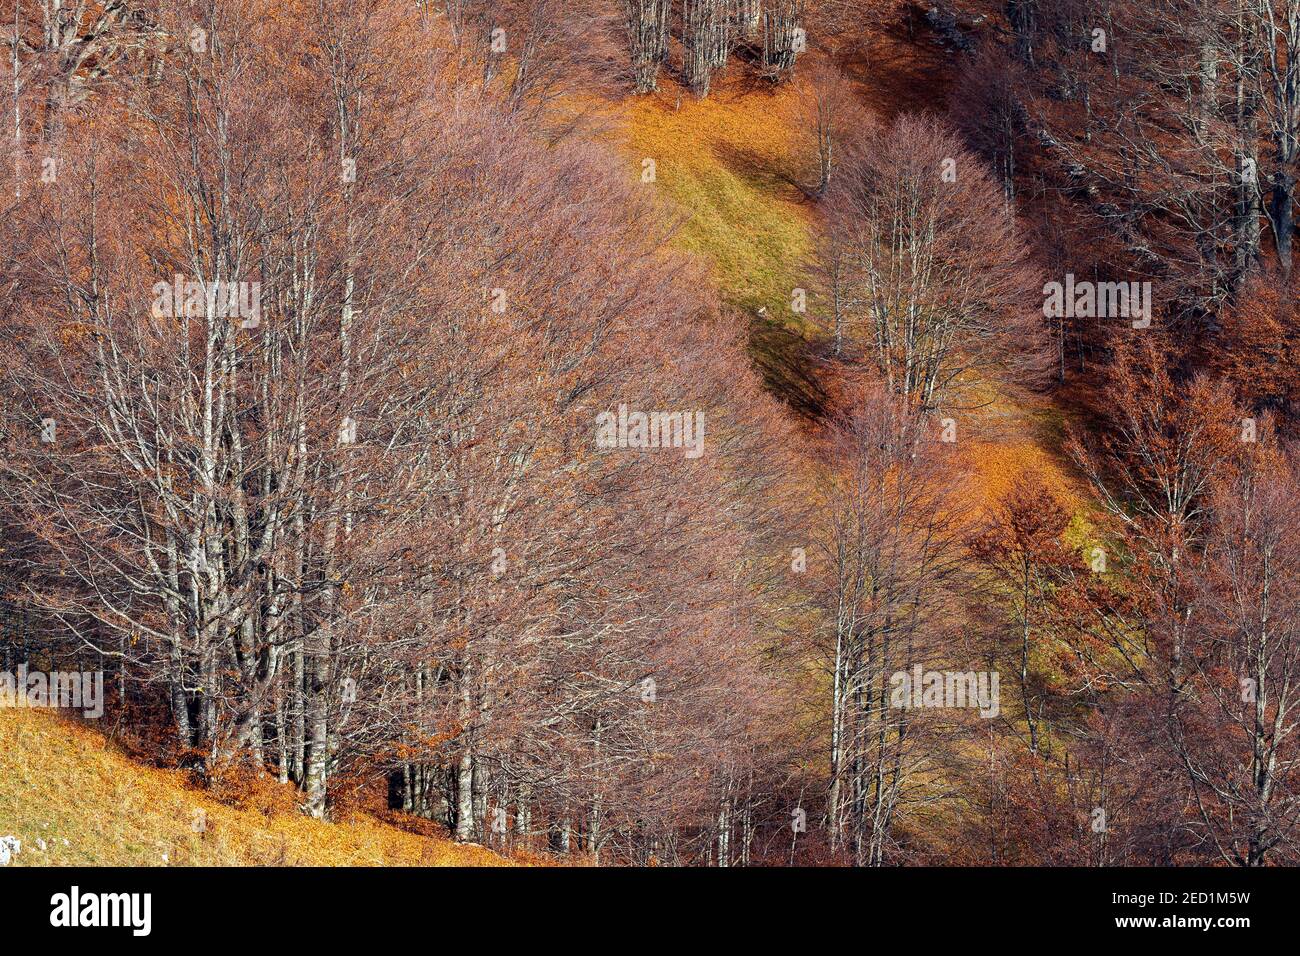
(728, 165)
(64, 784)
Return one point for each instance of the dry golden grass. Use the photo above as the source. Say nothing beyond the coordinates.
(729, 164)
(66, 787)
(1015, 439)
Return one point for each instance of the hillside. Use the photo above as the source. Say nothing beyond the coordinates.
(651, 434)
(729, 166)
(73, 799)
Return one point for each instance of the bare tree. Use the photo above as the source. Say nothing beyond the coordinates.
(784, 37)
(887, 558)
(706, 37)
(835, 119)
(647, 38)
(935, 267)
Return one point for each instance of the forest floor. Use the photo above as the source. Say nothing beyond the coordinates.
(73, 798)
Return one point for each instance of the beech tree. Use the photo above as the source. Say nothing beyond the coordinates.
(888, 558)
(835, 120)
(647, 37)
(706, 36)
(1254, 344)
(784, 36)
(1020, 547)
(304, 433)
(935, 279)
(1234, 735)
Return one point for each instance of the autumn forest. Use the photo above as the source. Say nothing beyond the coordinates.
(722, 433)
